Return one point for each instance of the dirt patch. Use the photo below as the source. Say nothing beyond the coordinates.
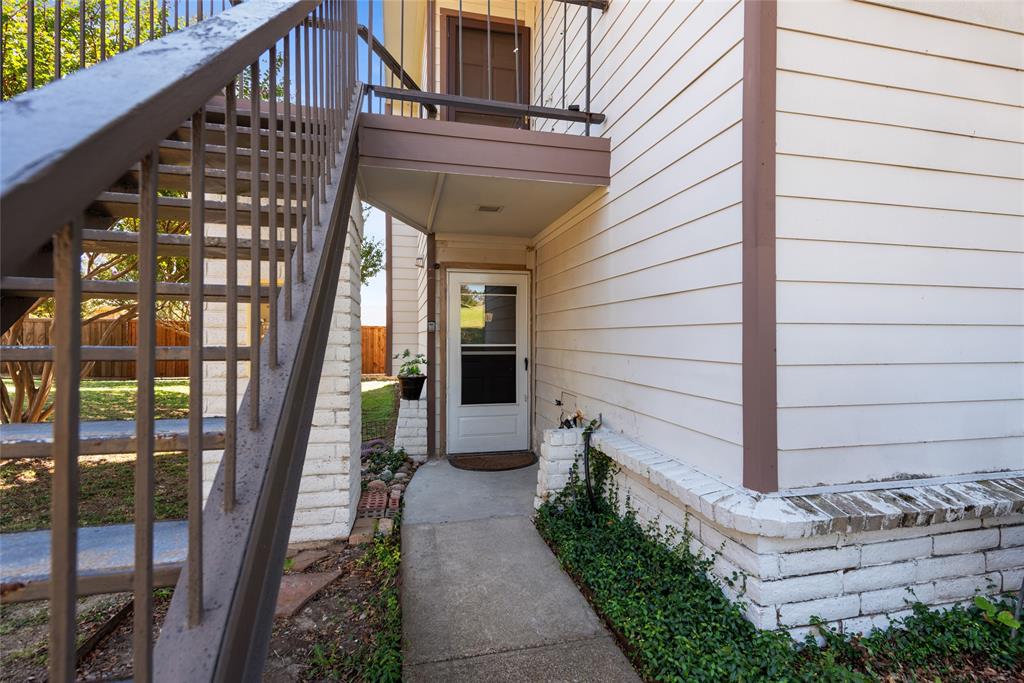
(331, 628)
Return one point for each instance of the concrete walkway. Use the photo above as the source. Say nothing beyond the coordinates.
(483, 598)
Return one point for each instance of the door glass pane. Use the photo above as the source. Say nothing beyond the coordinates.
(487, 321)
(487, 315)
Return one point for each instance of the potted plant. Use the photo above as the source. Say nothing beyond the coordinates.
(410, 375)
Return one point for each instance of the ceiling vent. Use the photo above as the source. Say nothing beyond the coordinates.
(489, 209)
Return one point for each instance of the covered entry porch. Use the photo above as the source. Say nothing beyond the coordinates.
(464, 203)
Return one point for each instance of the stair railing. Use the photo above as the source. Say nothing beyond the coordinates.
(260, 102)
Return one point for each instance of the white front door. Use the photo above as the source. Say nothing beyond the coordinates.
(488, 369)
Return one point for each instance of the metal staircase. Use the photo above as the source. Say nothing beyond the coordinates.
(177, 143)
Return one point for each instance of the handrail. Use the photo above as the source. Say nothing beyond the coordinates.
(393, 65)
(72, 135)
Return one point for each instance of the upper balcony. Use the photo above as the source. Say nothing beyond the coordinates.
(463, 151)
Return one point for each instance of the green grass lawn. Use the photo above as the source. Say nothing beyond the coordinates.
(380, 407)
(107, 481)
(103, 399)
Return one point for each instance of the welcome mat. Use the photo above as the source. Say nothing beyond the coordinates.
(492, 462)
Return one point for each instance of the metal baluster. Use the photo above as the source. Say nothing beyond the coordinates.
(254, 252)
(321, 139)
(543, 40)
(300, 151)
(175, 15)
(515, 49)
(490, 89)
(120, 26)
(199, 10)
(145, 371)
(401, 57)
(369, 58)
(67, 335)
(287, 179)
(197, 235)
(587, 125)
(103, 30)
(56, 40)
(311, 188)
(138, 23)
(152, 12)
(163, 17)
(30, 65)
(81, 34)
(186, 13)
(272, 202)
(565, 35)
(231, 342)
(460, 49)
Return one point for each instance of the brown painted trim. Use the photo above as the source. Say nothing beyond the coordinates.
(431, 46)
(471, 149)
(389, 304)
(760, 408)
(431, 348)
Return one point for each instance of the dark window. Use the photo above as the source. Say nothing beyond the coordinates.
(488, 376)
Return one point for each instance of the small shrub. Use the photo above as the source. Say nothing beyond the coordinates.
(677, 625)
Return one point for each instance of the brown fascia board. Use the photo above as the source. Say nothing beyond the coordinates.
(760, 405)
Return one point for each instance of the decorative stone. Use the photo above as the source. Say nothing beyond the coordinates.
(401, 476)
(376, 485)
(297, 589)
(385, 526)
(386, 475)
(362, 532)
(306, 559)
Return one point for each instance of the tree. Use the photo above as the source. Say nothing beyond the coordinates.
(372, 259)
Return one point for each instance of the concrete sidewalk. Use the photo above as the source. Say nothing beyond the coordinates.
(483, 598)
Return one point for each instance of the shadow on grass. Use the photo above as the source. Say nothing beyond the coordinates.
(107, 490)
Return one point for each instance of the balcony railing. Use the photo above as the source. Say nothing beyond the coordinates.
(395, 90)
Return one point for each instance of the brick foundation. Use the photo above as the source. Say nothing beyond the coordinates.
(854, 559)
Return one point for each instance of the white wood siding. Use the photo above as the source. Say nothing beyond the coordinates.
(638, 288)
(900, 239)
(405, 303)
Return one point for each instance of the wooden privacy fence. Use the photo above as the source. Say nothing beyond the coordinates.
(36, 332)
(374, 350)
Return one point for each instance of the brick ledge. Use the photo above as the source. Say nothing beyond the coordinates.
(747, 511)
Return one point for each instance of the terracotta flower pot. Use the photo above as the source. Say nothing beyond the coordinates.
(412, 386)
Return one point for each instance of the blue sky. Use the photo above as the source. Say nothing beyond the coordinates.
(374, 294)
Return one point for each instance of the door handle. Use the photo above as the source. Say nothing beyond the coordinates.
(526, 364)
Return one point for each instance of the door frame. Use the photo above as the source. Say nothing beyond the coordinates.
(442, 343)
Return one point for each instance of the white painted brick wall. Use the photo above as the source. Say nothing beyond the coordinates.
(411, 429)
(855, 580)
(330, 486)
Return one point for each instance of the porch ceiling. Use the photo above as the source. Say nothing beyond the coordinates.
(435, 175)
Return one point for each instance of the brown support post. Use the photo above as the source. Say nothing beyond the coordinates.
(431, 338)
(760, 426)
(389, 298)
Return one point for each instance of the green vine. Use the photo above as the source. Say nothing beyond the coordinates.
(676, 624)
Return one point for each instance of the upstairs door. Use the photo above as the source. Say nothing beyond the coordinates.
(488, 369)
(471, 73)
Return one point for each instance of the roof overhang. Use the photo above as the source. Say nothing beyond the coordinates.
(443, 176)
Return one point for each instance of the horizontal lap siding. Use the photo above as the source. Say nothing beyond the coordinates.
(900, 240)
(638, 289)
(405, 277)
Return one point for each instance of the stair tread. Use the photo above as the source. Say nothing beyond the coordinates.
(104, 437)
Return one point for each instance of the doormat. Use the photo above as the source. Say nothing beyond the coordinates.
(492, 462)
